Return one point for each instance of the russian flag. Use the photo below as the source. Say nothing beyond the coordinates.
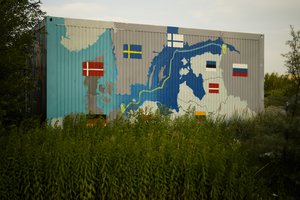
(240, 70)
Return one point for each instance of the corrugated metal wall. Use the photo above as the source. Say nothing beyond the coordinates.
(150, 66)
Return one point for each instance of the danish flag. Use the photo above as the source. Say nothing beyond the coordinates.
(91, 68)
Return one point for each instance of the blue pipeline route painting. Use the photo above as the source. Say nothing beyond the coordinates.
(165, 91)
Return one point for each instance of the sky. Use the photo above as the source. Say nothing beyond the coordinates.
(269, 17)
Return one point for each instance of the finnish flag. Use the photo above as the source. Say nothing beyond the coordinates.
(174, 39)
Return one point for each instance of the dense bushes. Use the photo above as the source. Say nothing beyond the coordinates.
(151, 158)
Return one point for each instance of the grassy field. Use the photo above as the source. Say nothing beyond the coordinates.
(152, 158)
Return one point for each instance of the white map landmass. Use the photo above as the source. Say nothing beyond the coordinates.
(212, 104)
(184, 61)
(81, 34)
(58, 122)
(184, 71)
(149, 105)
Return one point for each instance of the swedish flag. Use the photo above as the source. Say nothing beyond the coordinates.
(132, 51)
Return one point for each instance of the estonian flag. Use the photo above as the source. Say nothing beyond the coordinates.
(211, 66)
(240, 70)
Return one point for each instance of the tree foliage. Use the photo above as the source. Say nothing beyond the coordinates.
(17, 22)
(278, 89)
(292, 63)
(277, 85)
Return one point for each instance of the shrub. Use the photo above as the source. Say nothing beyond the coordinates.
(152, 157)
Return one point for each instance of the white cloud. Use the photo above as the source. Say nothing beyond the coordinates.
(75, 10)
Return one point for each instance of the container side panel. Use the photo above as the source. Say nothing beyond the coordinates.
(179, 77)
(110, 68)
(70, 46)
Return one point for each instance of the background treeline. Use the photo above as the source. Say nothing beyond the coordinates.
(18, 21)
(279, 91)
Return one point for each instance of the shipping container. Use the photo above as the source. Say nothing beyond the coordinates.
(110, 68)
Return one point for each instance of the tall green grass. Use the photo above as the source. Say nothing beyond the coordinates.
(153, 157)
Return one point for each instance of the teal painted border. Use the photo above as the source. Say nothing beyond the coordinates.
(66, 91)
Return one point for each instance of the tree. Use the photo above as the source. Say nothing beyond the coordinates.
(17, 22)
(277, 85)
(292, 63)
(278, 90)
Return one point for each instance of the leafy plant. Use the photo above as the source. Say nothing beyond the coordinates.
(153, 157)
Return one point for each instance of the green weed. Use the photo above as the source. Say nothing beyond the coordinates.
(150, 157)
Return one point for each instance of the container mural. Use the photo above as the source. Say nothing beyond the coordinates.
(110, 68)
